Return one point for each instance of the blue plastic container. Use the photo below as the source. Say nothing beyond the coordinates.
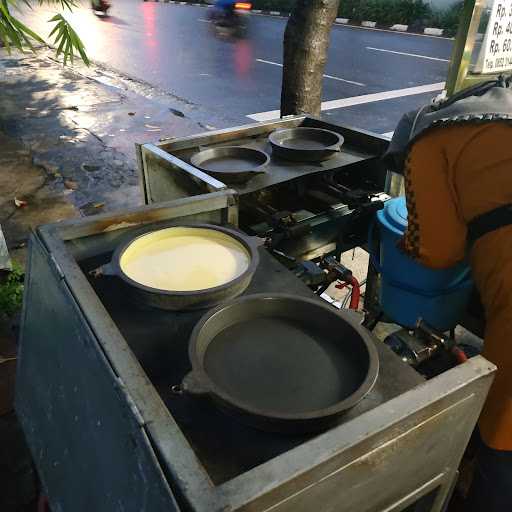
(409, 290)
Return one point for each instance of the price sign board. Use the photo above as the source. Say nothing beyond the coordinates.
(496, 53)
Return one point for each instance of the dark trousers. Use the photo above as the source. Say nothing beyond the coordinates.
(491, 490)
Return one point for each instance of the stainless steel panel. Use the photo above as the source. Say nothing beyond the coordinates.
(167, 178)
(77, 417)
(398, 447)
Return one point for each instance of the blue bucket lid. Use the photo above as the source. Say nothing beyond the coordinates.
(394, 215)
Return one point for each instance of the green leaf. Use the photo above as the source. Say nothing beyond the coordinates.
(68, 40)
(54, 30)
(4, 9)
(14, 3)
(5, 38)
(15, 33)
(65, 4)
(78, 45)
(68, 52)
(60, 31)
(61, 45)
(12, 34)
(25, 30)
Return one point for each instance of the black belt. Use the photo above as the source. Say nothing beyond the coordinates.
(490, 221)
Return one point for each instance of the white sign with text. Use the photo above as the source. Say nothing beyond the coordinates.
(496, 53)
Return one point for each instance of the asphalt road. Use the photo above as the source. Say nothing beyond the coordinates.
(372, 76)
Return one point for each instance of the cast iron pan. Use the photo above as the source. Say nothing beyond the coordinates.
(231, 164)
(281, 363)
(145, 295)
(305, 144)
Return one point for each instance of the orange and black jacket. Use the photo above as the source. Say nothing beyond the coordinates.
(454, 172)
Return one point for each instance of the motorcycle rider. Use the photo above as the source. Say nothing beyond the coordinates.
(225, 8)
(100, 5)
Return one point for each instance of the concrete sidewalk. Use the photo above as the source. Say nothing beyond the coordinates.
(67, 138)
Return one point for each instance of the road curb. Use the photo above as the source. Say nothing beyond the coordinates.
(371, 25)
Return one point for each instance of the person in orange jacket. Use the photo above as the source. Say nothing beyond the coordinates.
(456, 157)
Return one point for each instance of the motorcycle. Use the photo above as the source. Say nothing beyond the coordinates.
(100, 6)
(231, 23)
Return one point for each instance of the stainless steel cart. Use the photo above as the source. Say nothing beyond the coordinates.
(94, 400)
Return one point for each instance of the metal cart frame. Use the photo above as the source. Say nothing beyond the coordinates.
(89, 410)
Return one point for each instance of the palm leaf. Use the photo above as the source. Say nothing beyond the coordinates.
(5, 38)
(64, 4)
(14, 3)
(67, 40)
(23, 29)
(14, 33)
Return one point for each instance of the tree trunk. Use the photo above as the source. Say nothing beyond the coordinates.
(306, 41)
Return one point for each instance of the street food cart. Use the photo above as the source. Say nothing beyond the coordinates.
(96, 373)
(107, 433)
(101, 379)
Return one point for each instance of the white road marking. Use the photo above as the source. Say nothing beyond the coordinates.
(326, 76)
(407, 54)
(359, 100)
(203, 20)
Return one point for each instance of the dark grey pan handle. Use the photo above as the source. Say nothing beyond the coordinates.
(255, 241)
(105, 270)
(334, 147)
(191, 384)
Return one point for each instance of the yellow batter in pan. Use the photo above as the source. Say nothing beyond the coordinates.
(184, 259)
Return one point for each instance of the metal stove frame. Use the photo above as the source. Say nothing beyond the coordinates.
(103, 440)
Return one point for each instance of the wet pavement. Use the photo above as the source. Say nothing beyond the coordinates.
(172, 48)
(68, 141)
(27, 196)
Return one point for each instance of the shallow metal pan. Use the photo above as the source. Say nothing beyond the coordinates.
(281, 363)
(231, 164)
(305, 144)
(183, 300)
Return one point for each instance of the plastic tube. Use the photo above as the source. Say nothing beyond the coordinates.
(356, 293)
(459, 354)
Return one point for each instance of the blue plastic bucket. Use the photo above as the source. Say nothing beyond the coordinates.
(409, 290)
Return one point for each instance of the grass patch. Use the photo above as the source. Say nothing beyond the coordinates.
(11, 292)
